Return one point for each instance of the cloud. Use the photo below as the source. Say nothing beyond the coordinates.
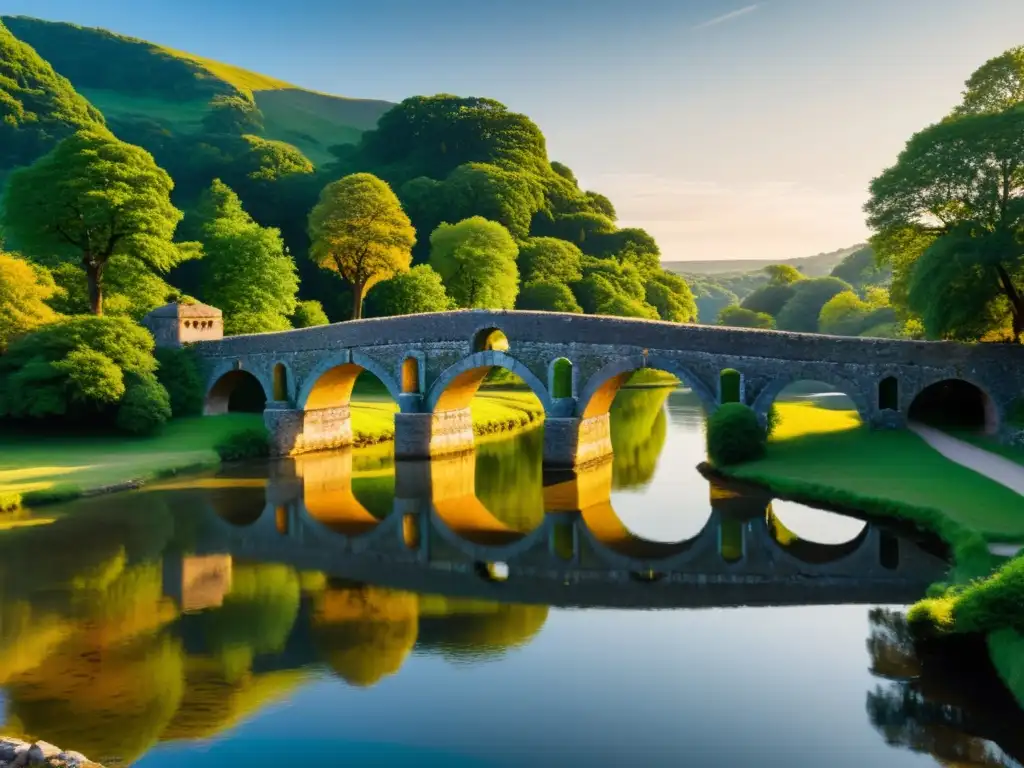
(730, 16)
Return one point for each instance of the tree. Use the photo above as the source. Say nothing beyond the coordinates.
(418, 290)
(503, 195)
(801, 312)
(548, 296)
(92, 198)
(87, 369)
(738, 317)
(770, 298)
(24, 291)
(359, 230)
(844, 315)
(233, 114)
(476, 259)
(670, 295)
(960, 181)
(309, 314)
(860, 269)
(246, 272)
(998, 85)
(783, 274)
(38, 107)
(549, 259)
(130, 289)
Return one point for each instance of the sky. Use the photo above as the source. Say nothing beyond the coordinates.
(727, 128)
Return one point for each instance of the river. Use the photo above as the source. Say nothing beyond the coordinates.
(333, 610)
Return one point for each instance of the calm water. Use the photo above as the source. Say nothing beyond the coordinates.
(335, 609)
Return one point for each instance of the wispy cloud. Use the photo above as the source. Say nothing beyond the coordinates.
(730, 16)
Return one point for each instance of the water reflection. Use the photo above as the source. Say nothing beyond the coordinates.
(137, 624)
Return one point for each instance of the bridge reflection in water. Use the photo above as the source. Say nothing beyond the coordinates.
(424, 526)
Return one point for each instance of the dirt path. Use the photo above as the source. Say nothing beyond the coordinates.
(992, 466)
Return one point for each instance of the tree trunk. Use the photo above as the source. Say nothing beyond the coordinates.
(94, 276)
(1016, 301)
(357, 301)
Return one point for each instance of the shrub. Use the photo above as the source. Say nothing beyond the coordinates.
(309, 314)
(734, 435)
(729, 385)
(251, 443)
(145, 406)
(773, 421)
(179, 375)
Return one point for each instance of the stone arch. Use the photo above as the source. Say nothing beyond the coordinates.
(490, 339)
(601, 388)
(808, 550)
(283, 380)
(972, 402)
(236, 389)
(455, 387)
(331, 382)
(414, 373)
(561, 378)
(861, 402)
(889, 393)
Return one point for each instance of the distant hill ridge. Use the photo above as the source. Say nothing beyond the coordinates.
(128, 78)
(818, 265)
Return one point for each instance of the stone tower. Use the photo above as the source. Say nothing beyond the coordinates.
(177, 324)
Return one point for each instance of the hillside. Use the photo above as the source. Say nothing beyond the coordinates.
(812, 266)
(132, 80)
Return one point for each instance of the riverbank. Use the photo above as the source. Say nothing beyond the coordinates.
(15, 752)
(42, 469)
(817, 457)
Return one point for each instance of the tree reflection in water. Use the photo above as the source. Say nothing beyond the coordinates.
(639, 427)
(920, 711)
(509, 479)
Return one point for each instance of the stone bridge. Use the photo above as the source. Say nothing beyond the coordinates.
(441, 536)
(433, 364)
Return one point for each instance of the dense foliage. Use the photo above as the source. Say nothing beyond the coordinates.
(178, 373)
(949, 215)
(476, 259)
(24, 292)
(84, 369)
(308, 314)
(738, 317)
(38, 107)
(734, 435)
(409, 293)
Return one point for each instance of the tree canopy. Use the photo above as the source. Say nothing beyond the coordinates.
(476, 259)
(246, 272)
(90, 199)
(359, 230)
(802, 311)
(547, 296)
(550, 259)
(418, 290)
(738, 317)
(24, 292)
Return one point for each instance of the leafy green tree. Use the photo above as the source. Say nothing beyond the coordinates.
(92, 198)
(783, 274)
(547, 296)
(860, 269)
(233, 114)
(801, 312)
(598, 203)
(418, 290)
(577, 228)
(503, 195)
(621, 305)
(130, 289)
(633, 245)
(246, 272)
(179, 375)
(476, 259)
(844, 315)
(624, 277)
(549, 259)
(309, 314)
(738, 317)
(24, 292)
(769, 299)
(998, 85)
(711, 298)
(267, 160)
(949, 216)
(38, 107)
(670, 295)
(84, 368)
(359, 230)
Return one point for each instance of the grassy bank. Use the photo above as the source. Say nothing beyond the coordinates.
(37, 469)
(826, 457)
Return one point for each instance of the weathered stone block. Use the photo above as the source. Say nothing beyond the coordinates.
(425, 435)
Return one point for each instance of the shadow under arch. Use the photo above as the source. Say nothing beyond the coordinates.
(811, 552)
(236, 391)
(600, 390)
(455, 388)
(956, 403)
(330, 384)
(767, 397)
(328, 498)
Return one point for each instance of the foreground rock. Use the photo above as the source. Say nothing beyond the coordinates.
(15, 753)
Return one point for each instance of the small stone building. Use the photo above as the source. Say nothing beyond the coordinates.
(176, 324)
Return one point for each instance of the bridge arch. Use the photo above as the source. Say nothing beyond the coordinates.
(455, 387)
(601, 388)
(331, 382)
(862, 402)
(811, 550)
(956, 402)
(236, 390)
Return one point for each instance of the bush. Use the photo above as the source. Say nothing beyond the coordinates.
(144, 408)
(729, 385)
(734, 435)
(773, 421)
(179, 375)
(309, 314)
(251, 443)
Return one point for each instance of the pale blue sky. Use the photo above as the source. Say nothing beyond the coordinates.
(728, 128)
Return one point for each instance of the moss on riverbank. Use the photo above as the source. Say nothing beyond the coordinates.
(41, 469)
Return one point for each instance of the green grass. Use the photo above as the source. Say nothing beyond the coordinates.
(1006, 648)
(1013, 453)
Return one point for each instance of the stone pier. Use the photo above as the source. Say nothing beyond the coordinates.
(577, 442)
(427, 435)
(293, 432)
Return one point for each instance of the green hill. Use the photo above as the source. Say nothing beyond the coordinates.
(813, 266)
(129, 79)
